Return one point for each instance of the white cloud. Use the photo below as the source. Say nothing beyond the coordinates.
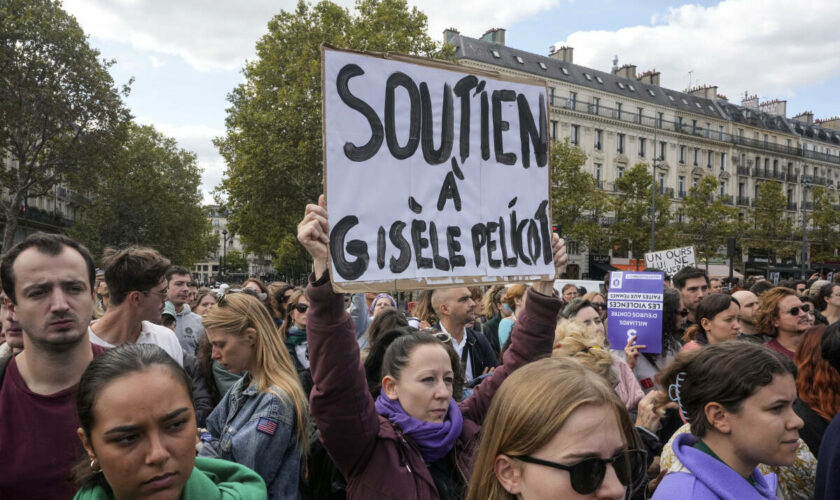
(220, 35)
(766, 47)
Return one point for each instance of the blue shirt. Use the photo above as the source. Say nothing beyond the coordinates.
(258, 429)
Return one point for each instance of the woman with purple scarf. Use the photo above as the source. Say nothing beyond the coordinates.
(414, 441)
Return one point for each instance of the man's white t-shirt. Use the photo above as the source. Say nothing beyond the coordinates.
(151, 334)
(459, 348)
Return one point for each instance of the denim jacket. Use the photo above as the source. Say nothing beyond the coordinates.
(257, 429)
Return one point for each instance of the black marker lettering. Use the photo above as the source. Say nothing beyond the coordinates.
(400, 264)
(356, 248)
(430, 154)
(440, 262)
(447, 191)
(500, 126)
(380, 247)
(527, 129)
(419, 242)
(399, 79)
(485, 127)
(462, 91)
(351, 151)
(533, 241)
(479, 239)
(508, 261)
(518, 239)
(545, 229)
(454, 246)
(491, 245)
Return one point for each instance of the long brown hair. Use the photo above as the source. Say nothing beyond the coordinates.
(520, 427)
(288, 321)
(272, 370)
(817, 382)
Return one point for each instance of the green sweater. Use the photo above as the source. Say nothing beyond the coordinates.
(211, 479)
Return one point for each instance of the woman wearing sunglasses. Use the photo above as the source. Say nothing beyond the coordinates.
(717, 321)
(578, 442)
(293, 332)
(599, 302)
(738, 398)
(262, 420)
(414, 441)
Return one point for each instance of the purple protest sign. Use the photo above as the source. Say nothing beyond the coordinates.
(634, 307)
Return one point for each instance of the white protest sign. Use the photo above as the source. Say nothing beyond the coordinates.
(671, 260)
(436, 174)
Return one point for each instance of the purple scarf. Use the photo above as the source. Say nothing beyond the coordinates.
(434, 440)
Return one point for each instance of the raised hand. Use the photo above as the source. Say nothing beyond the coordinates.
(313, 234)
(558, 249)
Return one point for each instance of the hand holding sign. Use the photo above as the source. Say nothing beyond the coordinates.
(558, 251)
(312, 234)
(631, 350)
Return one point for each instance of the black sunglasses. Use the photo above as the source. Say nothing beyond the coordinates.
(598, 305)
(587, 475)
(794, 311)
(684, 313)
(301, 307)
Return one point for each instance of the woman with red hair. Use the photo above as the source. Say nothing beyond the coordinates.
(818, 385)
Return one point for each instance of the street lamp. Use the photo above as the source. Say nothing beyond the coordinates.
(653, 192)
(224, 252)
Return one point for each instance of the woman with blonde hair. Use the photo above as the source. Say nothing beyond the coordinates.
(579, 417)
(574, 339)
(262, 420)
(599, 302)
(513, 301)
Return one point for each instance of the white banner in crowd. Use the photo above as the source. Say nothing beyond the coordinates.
(671, 260)
(435, 174)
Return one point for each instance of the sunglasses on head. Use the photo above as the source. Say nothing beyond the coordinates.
(794, 311)
(587, 475)
(301, 307)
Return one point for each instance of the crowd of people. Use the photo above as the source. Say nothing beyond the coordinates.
(128, 381)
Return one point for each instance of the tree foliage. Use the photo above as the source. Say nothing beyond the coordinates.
(148, 196)
(824, 234)
(631, 230)
(771, 231)
(708, 221)
(235, 262)
(60, 113)
(272, 146)
(577, 203)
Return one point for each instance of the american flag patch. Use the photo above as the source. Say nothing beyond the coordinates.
(267, 426)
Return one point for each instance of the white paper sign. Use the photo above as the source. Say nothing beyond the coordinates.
(433, 175)
(671, 260)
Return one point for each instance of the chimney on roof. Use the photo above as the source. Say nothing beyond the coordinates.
(704, 91)
(749, 101)
(494, 35)
(774, 107)
(449, 35)
(627, 71)
(565, 54)
(650, 77)
(833, 123)
(805, 116)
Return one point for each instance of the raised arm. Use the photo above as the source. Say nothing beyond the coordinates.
(340, 402)
(532, 337)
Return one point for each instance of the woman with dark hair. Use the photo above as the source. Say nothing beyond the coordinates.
(138, 429)
(585, 312)
(828, 481)
(818, 385)
(385, 321)
(827, 302)
(738, 398)
(203, 300)
(414, 440)
(717, 321)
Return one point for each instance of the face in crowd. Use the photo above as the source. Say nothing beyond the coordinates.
(456, 304)
(204, 304)
(693, 292)
(424, 385)
(179, 289)
(749, 304)
(715, 285)
(792, 315)
(299, 310)
(592, 319)
(10, 327)
(723, 326)
(570, 293)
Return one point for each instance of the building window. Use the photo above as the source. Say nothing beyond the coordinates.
(642, 147)
(709, 157)
(693, 126)
(720, 132)
(620, 140)
(618, 110)
(572, 99)
(682, 154)
(598, 167)
(681, 187)
(661, 183)
(722, 189)
(662, 150)
(740, 190)
(679, 123)
(708, 129)
(596, 105)
(696, 156)
(575, 135)
(551, 95)
(659, 118)
(554, 129)
(598, 138)
(640, 115)
(723, 161)
(619, 172)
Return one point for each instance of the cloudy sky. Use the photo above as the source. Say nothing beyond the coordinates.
(186, 55)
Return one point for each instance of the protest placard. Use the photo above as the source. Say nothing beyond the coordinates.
(672, 260)
(436, 174)
(634, 307)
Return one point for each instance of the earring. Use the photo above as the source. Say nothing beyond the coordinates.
(93, 466)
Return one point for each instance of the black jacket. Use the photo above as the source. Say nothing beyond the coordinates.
(481, 354)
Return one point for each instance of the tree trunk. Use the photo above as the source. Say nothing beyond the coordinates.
(12, 215)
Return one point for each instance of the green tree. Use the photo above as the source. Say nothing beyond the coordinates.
(60, 113)
(148, 196)
(772, 231)
(631, 230)
(235, 262)
(708, 220)
(272, 146)
(825, 222)
(577, 203)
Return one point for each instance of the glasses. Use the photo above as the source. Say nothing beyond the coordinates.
(684, 313)
(599, 306)
(441, 336)
(162, 293)
(794, 311)
(301, 307)
(587, 475)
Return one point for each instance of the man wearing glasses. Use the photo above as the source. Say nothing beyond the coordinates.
(784, 317)
(136, 279)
